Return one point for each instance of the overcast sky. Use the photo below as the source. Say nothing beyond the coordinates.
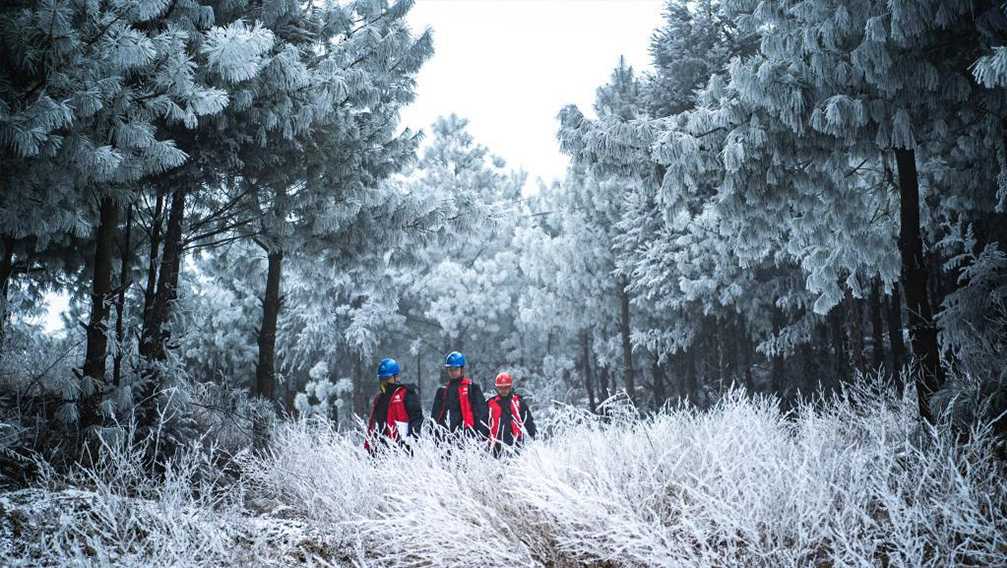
(509, 66)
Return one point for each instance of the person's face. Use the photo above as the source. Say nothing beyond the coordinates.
(455, 372)
(504, 391)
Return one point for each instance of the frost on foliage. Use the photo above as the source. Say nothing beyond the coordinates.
(853, 483)
(320, 395)
(973, 321)
(741, 484)
(991, 70)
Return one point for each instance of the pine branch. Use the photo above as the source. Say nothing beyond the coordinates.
(101, 33)
(218, 243)
(217, 231)
(856, 169)
(219, 212)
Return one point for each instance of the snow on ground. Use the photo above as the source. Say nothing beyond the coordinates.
(740, 485)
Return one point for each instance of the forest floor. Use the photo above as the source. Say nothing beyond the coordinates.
(854, 481)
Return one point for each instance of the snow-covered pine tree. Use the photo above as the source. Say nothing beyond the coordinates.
(862, 91)
(84, 93)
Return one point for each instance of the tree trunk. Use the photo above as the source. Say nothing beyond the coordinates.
(97, 328)
(150, 291)
(419, 375)
(895, 335)
(604, 392)
(717, 351)
(922, 328)
(855, 324)
(359, 388)
(747, 359)
(732, 348)
(120, 302)
(6, 268)
(152, 345)
(585, 361)
(265, 368)
(877, 328)
(153, 341)
(841, 360)
(660, 380)
(691, 384)
(776, 361)
(628, 375)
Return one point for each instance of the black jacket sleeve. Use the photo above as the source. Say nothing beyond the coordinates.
(480, 410)
(529, 422)
(415, 410)
(438, 409)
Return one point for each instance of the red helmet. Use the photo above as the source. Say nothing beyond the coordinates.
(504, 380)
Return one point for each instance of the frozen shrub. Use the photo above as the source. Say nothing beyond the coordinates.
(853, 480)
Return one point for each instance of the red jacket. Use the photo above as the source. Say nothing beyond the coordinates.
(460, 405)
(395, 414)
(509, 420)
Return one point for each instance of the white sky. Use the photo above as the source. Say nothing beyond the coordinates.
(509, 66)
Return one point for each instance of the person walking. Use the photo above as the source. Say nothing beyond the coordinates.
(510, 419)
(459, 406)
(396, 413)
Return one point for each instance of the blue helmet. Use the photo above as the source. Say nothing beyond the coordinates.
(388, 368)
(454, 359)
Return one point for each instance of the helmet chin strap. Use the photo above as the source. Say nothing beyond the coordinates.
(385, 383)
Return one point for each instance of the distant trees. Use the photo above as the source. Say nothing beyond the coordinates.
(790, 163)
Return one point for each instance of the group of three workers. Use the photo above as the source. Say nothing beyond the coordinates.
(459, 408)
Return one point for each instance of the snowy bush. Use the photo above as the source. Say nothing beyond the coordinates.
(854, 480)
(741, 484)
(320, 394)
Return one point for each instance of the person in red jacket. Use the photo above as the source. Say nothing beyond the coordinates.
(396, 413)
(510, 420)
(460, 406)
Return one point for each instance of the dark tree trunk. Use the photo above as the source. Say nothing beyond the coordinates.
(877, 328)
(97, 327)
(150, 291)
(691, 384)
(809, 368)
(6, 269)
(840, 357)
(717, 351)
(732, 348)
(895, 335)
(922, 328)
(120, 301)
(419, 374)
(265, 368)
(820, 353)
(660, 380)
(359, 388)
(152, 345)
(153, 341)
(855, 323)
(290, 390)
(604, 390)
(747, 358)
(776, 361)
(585, 365)
(628, 374)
